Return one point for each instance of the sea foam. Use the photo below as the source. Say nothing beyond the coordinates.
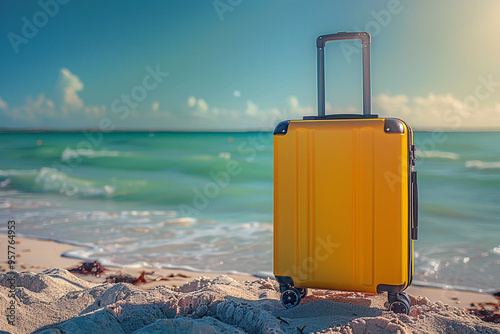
(482, 164)
(437, 155)
(69, 154)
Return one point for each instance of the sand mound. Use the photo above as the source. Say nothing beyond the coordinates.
(58, 302)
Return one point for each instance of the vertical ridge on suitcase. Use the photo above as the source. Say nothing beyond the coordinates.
(363, 218)
(305, 204)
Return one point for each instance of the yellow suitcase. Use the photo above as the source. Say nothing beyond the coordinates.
(345, 199)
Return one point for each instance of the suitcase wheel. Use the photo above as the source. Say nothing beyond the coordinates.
(399, 303)
(290, 297)
(405, 296)
(303, 292)
(400, 306)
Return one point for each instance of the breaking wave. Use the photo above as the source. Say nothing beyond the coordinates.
(437, 155)
(69, 154)
(478, 164)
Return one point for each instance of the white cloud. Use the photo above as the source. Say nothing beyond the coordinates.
(293, 102)
(199, 107)
(393, 105)
(3, 104)
(434, 112)
(252, 109)
(237, 93)
(191, 101)
(437, 112)
(36, 110)
(70, 110)
(42, 111)
(294, 108)
(155, 106)
(32, 108)
(68, 86)
(96, 111)
(251, 114)
(202, 105)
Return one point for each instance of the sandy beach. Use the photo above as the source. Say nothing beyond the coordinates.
(50, 299)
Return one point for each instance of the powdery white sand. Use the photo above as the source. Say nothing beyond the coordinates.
(56, 301)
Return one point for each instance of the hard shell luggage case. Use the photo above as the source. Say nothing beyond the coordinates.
(345, 199)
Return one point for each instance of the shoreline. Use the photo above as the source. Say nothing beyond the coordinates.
(44, 297)
(36, 255)
(262, 274)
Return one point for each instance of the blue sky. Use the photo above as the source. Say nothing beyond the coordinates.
(241, 64)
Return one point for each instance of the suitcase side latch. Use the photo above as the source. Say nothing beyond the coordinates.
(413, 156)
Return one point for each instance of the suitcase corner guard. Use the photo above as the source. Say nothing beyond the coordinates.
(281, 128)
(392, 125)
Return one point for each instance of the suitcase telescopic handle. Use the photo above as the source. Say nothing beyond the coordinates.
(365, 39)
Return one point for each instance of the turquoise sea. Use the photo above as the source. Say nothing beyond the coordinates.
(204, 200)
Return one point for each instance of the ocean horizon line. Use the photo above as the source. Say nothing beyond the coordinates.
(97, 130)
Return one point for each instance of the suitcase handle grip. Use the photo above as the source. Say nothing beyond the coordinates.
(363, 36)
(340, 116)
(365, 39)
